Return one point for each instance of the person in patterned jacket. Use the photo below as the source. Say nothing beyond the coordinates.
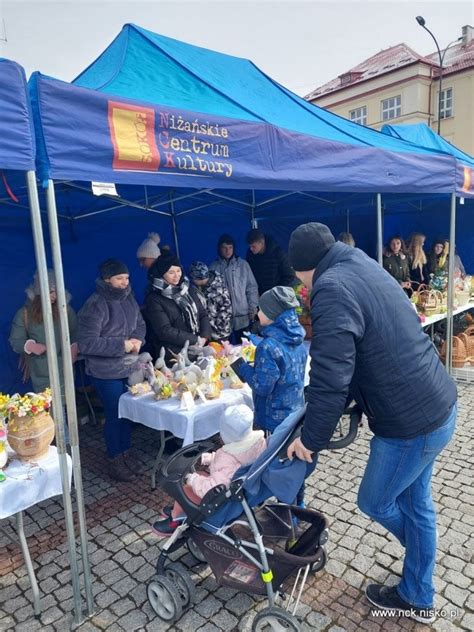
(215, 297)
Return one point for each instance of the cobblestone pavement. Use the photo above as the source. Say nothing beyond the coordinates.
(123, 552)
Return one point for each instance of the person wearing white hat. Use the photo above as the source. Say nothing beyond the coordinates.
(242, 445)
(148, 251)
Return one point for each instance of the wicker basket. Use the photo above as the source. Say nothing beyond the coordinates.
(30, 437)
(431, 301)
(305, 322)
(467, 338)
(415, 295)
(459, 353)
(462, 297)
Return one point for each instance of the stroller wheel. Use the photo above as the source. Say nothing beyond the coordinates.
(320, 562)
(195, 550)
(164, 598)
(183, 582)
(275, 619)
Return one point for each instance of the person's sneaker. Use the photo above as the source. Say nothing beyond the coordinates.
(166, 511)
(387, 598)
(165, 527)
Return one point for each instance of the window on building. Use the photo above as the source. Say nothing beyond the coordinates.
(391, 108)
(359, 115)
(446, 103)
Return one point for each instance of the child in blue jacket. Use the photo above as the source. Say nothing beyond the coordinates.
(277, 377)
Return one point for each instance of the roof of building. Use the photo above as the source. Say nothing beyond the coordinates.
(457, 58)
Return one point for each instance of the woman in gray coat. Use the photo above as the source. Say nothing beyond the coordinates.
(241, 284)
(27, 336)
(110, 328)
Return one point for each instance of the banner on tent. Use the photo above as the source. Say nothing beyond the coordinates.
(167, 141)
(91, 136)
(468, 180)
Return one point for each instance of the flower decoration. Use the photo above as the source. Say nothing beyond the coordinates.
(248, 352)
(303, 296)
(23, 407)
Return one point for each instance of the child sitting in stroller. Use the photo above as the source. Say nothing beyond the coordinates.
(242, 445)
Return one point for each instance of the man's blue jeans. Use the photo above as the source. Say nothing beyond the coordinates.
(117, 432)
(396, 492)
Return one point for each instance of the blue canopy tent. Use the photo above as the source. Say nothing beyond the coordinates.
(17, 163)
(421, 134)
(200, 143)
(208, 139)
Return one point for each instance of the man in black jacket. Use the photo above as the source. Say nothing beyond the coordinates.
(269, 263)
(368, 344)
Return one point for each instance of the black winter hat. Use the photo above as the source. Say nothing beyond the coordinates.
(112, 267)
(162, 265)
(308, 245)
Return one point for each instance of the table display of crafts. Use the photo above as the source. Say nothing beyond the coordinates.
(433, 299)
(204, 377)
(25, 425)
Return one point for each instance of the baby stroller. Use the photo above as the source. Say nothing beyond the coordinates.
(251, 545)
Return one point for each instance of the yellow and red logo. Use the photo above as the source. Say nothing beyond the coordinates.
(132, 130)
(468, 180)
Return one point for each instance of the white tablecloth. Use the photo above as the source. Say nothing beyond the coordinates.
(29, 483)
(431, 320)
(194, 425)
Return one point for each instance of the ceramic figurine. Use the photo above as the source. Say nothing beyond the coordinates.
(141, 370)
(160, 364)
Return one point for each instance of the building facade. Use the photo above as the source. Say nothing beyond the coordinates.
(399, 86)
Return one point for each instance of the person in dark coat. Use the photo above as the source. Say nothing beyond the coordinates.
(395, 261)
(368, 345)
(173, 310)
(268, 262)
(111, 329)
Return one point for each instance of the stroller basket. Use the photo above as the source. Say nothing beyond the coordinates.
(287, 554)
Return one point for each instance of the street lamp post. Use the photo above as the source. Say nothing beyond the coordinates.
(421, 21)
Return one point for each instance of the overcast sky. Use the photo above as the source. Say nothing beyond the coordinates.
(301, 44)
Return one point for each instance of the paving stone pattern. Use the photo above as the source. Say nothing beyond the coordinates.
(123, 552)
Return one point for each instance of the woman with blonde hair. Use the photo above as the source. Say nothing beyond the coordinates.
(419, 274)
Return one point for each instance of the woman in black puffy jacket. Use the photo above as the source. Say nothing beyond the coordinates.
(173, 311)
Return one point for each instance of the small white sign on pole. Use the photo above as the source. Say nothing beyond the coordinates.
(104, 188)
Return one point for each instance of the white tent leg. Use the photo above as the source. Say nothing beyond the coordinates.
(53, 370)
(449, 316)
(69, 388)
(379, 230)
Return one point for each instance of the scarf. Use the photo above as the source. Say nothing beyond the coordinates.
(181, 296)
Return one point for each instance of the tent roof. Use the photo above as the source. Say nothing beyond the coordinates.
(146, 66)
(182, 97)
(17, 145)
(421, 134)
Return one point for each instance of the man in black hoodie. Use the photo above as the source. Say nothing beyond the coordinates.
(268, 262)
